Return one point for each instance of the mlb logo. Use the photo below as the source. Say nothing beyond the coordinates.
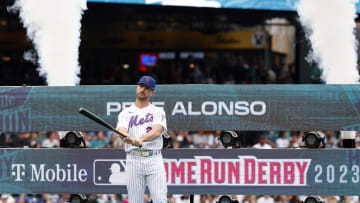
(109, 172)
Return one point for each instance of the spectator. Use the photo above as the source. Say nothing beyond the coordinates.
(22, 140)
(332, 199)
(283, 198)
(115, 142)
(41, 136)
(88, 138)
(281, 141)
(205, 199)
(64, 198)
(330, 141)
(249, 199)
(262, 143)
(105, 198)
(100, 140)
(7, 198)
(351, 199)
(265, 199)
(242, 71)
(272, 135)
(294, 140)
(6, 140)
(182, 198)
(51, 140)
(50, 198)
(184, 139)
(171, 199)
(203, 139)
(33, 141)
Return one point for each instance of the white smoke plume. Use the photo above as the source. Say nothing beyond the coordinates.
(330, 26)
(54, 27)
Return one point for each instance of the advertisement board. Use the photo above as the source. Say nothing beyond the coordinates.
(187, 107)
(188, 171)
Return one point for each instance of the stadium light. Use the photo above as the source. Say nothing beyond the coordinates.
(226, 199)
(313, 199)
(78, 198)
(348, 139)
(314, 139)
(229, 138)
(71, 139)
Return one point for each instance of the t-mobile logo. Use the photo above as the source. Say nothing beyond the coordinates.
(18, 170)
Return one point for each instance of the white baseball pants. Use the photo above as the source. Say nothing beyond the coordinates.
(142, 171)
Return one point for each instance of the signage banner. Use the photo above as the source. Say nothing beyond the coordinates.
(277, 5)
(188, 171)
(187, 107)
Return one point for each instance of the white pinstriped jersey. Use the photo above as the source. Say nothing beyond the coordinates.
(139, 121)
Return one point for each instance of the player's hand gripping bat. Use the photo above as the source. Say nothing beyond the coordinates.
(100, 121)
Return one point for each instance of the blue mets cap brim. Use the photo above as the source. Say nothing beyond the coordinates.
(145, 84)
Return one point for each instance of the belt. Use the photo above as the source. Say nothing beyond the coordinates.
(144, 153)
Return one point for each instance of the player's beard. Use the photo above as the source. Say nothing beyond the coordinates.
(142, 97)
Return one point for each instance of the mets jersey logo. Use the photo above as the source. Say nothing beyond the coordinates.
(134, 121)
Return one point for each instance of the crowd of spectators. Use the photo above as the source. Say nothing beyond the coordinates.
(219, 68)
(180, 139)
(108, 69)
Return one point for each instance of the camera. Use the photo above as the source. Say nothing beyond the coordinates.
(71, 139)
(167, 141)
(314, 139)
(313, 199)
(229, 139)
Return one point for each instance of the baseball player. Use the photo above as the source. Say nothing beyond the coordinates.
(144, 124)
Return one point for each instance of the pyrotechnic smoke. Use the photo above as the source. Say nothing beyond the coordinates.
(54, 27)
(330, 26)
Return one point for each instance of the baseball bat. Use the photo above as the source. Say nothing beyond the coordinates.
(98, 120)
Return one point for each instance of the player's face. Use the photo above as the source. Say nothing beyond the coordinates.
(144, 92)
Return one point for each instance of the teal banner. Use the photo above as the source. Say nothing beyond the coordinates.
(188, 107)
(277, 5)
(188, 171)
